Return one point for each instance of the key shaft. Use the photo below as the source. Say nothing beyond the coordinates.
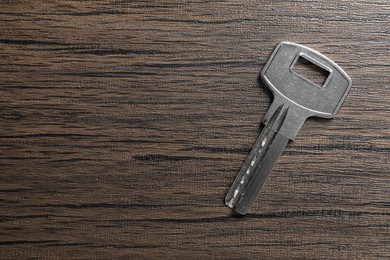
(260, 161)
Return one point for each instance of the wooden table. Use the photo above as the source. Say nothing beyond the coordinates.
(124, 123)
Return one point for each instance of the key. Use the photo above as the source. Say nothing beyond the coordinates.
(295, 99)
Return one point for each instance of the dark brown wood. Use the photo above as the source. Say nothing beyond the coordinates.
(123, 124)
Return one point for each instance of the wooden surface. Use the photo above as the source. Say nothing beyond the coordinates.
(124, 123)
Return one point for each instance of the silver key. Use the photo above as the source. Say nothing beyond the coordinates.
(295, 99)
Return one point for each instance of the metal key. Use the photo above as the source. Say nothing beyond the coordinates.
(295, 99)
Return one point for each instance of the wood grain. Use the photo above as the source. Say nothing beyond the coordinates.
(123, 124)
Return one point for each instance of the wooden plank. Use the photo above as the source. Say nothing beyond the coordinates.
(123, 124)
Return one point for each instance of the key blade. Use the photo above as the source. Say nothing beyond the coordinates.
(258, 164)
(261, 173)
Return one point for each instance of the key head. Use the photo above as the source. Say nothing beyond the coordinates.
(322, 101)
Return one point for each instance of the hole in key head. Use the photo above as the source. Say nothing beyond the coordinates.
(311, 71)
